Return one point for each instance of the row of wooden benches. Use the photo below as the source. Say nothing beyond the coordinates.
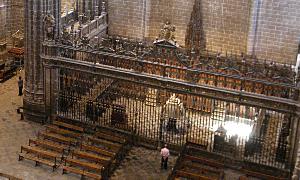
(93, 156)
(98, 155)
(193, 164)
(52, 145)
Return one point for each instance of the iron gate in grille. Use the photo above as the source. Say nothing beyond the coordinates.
(249, 133)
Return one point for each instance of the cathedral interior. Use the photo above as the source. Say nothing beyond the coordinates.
(104, 85)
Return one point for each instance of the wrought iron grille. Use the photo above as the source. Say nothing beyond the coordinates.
(234, 73)
(234, 130)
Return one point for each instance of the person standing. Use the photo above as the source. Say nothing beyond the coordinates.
(20, 84)
(165, 153)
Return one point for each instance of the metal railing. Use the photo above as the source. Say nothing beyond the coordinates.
(197, 73)
(242, 132)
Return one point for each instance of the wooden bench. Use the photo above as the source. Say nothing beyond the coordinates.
(68, 126)
(112, 133)
(198, 150)
(49, 145)
(97, 150)
(81, 172)
(114, 147)
(261, 175)
(208, 172)
(92, 175)
(200, 147)
(58, 130)
(58, 138)
(190, 175)
(204, 160)
(9, 177)
(92, 157)
(110, 137)
(85, 165)
(72, 170)
(39, 156)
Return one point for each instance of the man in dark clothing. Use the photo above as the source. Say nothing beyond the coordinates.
(20, 84)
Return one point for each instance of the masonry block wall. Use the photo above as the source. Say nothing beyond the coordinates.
(176, 11)
(11, 18)
(2, 19)
(128, 18)
(226, 24)
(66, 4)
(268, 29)
(17, 15)
(278, 30)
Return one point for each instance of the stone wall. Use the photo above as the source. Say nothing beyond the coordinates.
(11, 18)
(2, 19)
(268, 29)
(17, 15)
(278, 30)
(127, 18)
(176, 11)
(226, 24)
(66, 4)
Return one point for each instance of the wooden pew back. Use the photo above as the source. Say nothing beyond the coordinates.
(48, 145)
(68, 126)
(97, 150)
(85, 165)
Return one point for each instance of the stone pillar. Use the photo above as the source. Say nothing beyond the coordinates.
(34, 96)
(51, 88)
(296, 145)
(77, 10)
(296, 141)
(96, 12)
(252, 35)
(103, 8)
(8, 23)
(86, 7)
(57, 16)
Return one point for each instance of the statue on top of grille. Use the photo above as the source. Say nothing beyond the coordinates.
(49, 26)
(167, 32)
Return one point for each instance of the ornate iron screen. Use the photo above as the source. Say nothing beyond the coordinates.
(160, 114)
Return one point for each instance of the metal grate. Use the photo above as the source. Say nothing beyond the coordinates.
(238, 131)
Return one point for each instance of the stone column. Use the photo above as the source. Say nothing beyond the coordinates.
(57, 16)
(103, 8)
(296, 140)
(34, 96)
(296, 145)
(51, 89)
(9, 23)
(77, 9)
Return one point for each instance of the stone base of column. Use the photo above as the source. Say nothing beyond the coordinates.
(34, 112)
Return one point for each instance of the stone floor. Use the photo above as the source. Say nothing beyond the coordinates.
(139, 164)
(143, 164)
